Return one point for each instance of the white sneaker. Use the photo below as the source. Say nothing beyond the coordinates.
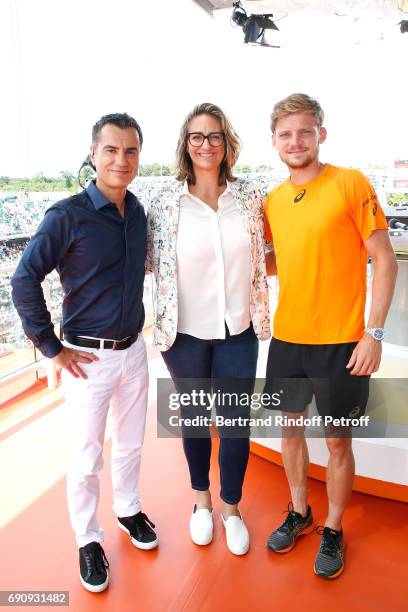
(201, 526)
(237, 534)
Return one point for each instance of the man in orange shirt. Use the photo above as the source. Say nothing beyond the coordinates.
(323, 222)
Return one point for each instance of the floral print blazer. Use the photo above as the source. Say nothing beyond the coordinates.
(162, 223)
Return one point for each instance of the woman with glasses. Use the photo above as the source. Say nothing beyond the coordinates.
(206, 250)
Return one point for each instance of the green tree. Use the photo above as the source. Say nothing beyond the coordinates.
(243, 169)
(68, 178)
(263, 169)
(167, 171)
(155, 170)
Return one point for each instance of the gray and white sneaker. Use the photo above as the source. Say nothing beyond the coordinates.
(284, 538)
(329, 561)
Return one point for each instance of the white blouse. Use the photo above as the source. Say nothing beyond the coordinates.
(213, 268)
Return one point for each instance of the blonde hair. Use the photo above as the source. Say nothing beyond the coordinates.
(297, 103)
(232, 144)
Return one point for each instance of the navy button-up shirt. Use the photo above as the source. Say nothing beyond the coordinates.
(100, 258)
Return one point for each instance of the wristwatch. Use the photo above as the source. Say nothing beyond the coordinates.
(375, 332)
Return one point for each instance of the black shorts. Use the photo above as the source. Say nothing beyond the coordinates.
(299, 371)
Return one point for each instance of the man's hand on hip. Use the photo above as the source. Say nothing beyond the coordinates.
(69, 359)
(366, 357)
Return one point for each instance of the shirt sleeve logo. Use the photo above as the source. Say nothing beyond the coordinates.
(374, 202)
(299, 196)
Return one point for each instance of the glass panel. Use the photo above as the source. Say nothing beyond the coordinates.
(396, 328)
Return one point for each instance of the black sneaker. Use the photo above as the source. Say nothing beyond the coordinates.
(330, 558)
(93, 566)
(284, 538)
(139, 527)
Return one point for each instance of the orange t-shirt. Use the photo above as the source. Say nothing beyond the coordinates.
(318, 231)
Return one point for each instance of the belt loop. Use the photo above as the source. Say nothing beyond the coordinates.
(102, 344)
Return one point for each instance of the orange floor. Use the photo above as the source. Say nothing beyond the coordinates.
(38, 550)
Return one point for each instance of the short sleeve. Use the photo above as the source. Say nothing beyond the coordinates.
(363, 201)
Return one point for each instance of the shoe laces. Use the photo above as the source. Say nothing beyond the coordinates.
(142, 523)
(330, 541)
(291, 520)
(95, 559)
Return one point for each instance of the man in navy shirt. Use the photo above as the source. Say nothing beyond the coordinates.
(96, 240)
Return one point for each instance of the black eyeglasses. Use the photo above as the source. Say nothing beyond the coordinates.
(215, 139)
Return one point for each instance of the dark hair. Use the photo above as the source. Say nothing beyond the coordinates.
(184, 165)
(121, 120)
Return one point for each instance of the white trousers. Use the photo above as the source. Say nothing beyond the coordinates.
(119, 381)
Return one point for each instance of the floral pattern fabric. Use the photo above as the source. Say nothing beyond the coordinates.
(162, 223)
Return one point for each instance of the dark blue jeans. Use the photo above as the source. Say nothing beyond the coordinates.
(216, 360)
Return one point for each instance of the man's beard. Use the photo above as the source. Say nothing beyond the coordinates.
(300, 164)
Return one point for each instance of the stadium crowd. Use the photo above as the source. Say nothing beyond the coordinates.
(21, 213)
(20, 216)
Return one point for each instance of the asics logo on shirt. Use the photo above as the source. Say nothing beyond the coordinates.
(299, 196)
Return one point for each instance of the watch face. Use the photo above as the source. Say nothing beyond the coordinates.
(378, 334)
